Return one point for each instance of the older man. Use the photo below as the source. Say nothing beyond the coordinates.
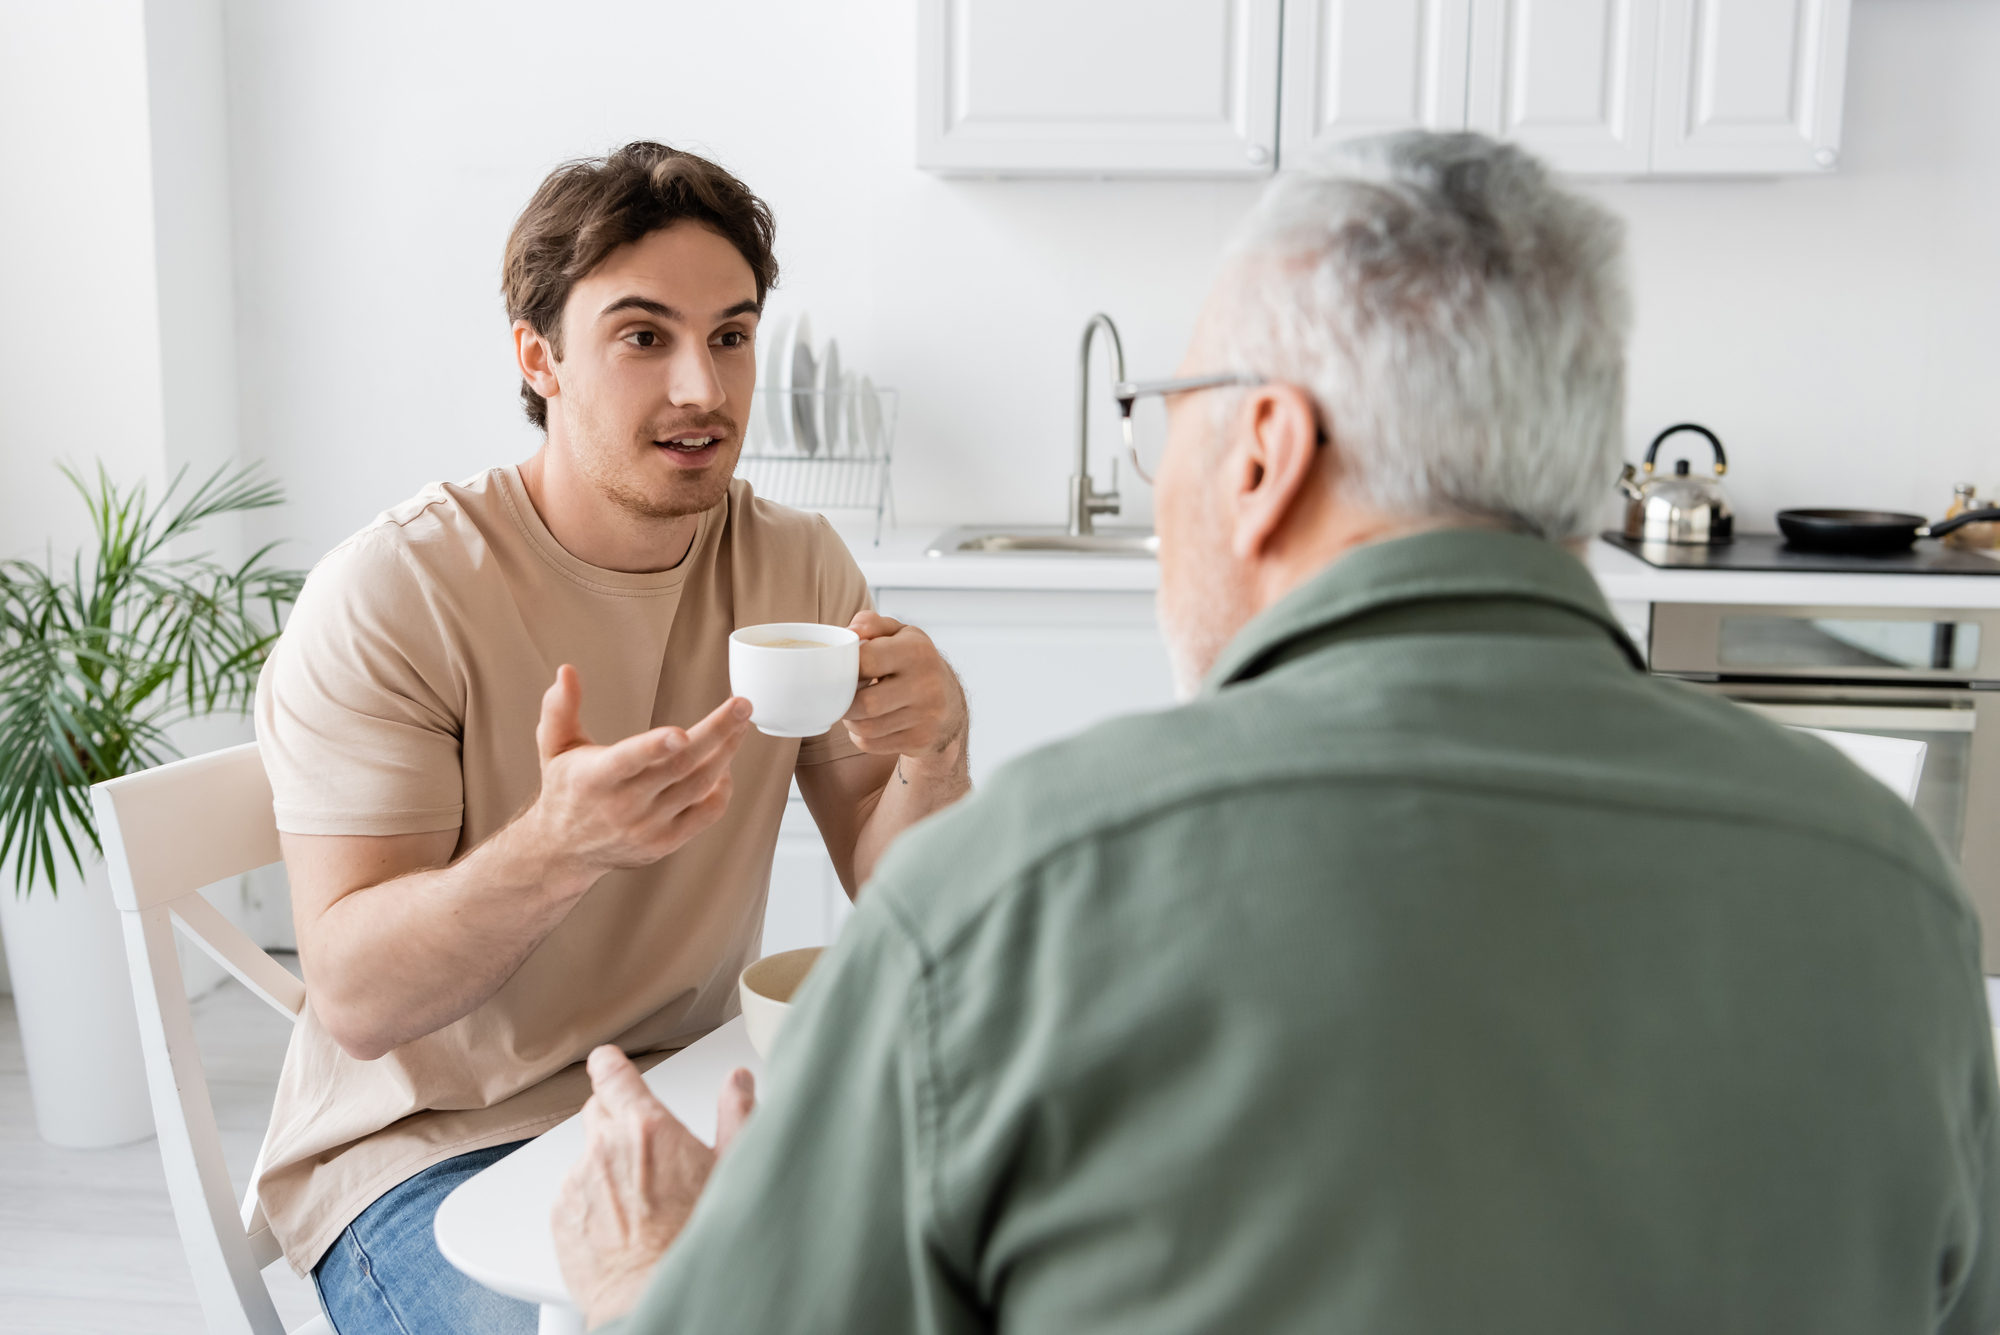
(1435, 969)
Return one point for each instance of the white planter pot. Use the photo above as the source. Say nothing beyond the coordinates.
(73, 996)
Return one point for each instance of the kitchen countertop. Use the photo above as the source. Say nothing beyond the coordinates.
(900, 563)
(1625, 578)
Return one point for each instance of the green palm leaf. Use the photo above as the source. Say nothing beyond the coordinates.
(98, 660)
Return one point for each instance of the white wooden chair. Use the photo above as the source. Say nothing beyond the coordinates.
(167, 832)
(1897, 763)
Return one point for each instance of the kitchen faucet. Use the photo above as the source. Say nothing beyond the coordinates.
(1085, 500)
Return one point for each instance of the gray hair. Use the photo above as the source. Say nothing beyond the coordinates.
(1460, 320)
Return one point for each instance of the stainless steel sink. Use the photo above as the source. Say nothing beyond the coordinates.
(1051, 541)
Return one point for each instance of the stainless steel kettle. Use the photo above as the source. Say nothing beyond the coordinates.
(1683, 509)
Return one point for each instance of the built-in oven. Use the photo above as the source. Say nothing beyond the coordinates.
(1927, 674)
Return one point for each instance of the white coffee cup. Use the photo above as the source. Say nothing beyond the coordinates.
(795, 692)
(766, 989)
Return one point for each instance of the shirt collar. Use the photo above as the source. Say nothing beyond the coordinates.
(1453, 563)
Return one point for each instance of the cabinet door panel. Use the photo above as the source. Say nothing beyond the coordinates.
(1750, 85)
(1040, 666)
(1129, 87)
(805, 905)
(1364, 67)
(1571, 80)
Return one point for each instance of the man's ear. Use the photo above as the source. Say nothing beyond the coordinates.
(1272, 465)
(536, 359)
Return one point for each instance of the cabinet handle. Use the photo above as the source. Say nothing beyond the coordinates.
(1258, 155)
(1826, 157)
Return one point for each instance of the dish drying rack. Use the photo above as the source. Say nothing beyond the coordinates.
(822, 449)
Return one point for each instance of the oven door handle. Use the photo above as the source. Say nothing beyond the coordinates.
(1879, 718)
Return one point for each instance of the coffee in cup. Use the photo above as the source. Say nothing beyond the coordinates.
(798, 676)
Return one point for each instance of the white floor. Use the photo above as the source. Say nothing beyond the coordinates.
(87, 1238)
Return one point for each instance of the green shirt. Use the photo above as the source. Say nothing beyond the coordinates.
(1437, 970)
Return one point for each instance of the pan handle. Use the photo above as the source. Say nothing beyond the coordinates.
(1985, 514)
(1721, 459)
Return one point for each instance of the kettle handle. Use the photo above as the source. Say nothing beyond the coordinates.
(1721, 459)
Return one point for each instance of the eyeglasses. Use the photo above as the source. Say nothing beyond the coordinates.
(1146, 428)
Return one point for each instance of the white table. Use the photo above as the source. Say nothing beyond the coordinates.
(495, 1226)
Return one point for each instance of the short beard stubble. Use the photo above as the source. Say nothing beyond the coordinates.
(599, 453)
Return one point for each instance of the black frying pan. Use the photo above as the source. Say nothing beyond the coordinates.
(1869, 532)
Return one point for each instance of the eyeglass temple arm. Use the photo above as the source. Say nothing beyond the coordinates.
(1125, 391)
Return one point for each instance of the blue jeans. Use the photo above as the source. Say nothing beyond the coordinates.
(385, 1276)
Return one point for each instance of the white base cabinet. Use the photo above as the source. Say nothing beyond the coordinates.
(806, 904)
(1043, 665)
(1036, 667)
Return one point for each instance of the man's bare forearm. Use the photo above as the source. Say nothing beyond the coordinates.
(404, 958)
(917, 787)
(396, 946)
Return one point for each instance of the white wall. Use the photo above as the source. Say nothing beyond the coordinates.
(1842, 333)
(116, 290)
(1838, 332)
(385, 148)
(77, 310)
(79, 315)
(383, 151)
(194, 257)
(1834, 331)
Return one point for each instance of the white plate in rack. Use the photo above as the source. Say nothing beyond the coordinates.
(850, 408)
(774, 376)
(871, 419)
(756, 422)
(826, 401)
(805, 417)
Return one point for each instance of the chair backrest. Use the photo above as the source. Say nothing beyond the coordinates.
(168, 832)
(1897, 763)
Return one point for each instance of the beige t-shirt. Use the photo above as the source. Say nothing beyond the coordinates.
(403, 698)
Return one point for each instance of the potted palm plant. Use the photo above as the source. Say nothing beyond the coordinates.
(99, 657)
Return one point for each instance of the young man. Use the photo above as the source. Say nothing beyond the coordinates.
(1436, 969)
(521, 813)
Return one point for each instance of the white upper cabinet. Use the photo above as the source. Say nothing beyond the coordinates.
(1750, 86)
(1193, 87)
(1098, 87)
(1361, 67)
(1571, 80)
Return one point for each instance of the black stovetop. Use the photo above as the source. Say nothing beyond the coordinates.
(1769, 551)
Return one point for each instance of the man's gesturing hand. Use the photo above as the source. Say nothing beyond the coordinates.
(910, 702)
(630, 1195)
(634, 802)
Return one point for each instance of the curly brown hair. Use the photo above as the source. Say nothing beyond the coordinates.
(588, 208)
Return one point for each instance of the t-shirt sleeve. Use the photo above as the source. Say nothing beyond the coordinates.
(815, 1220)
(358, 708)
(843, 593)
